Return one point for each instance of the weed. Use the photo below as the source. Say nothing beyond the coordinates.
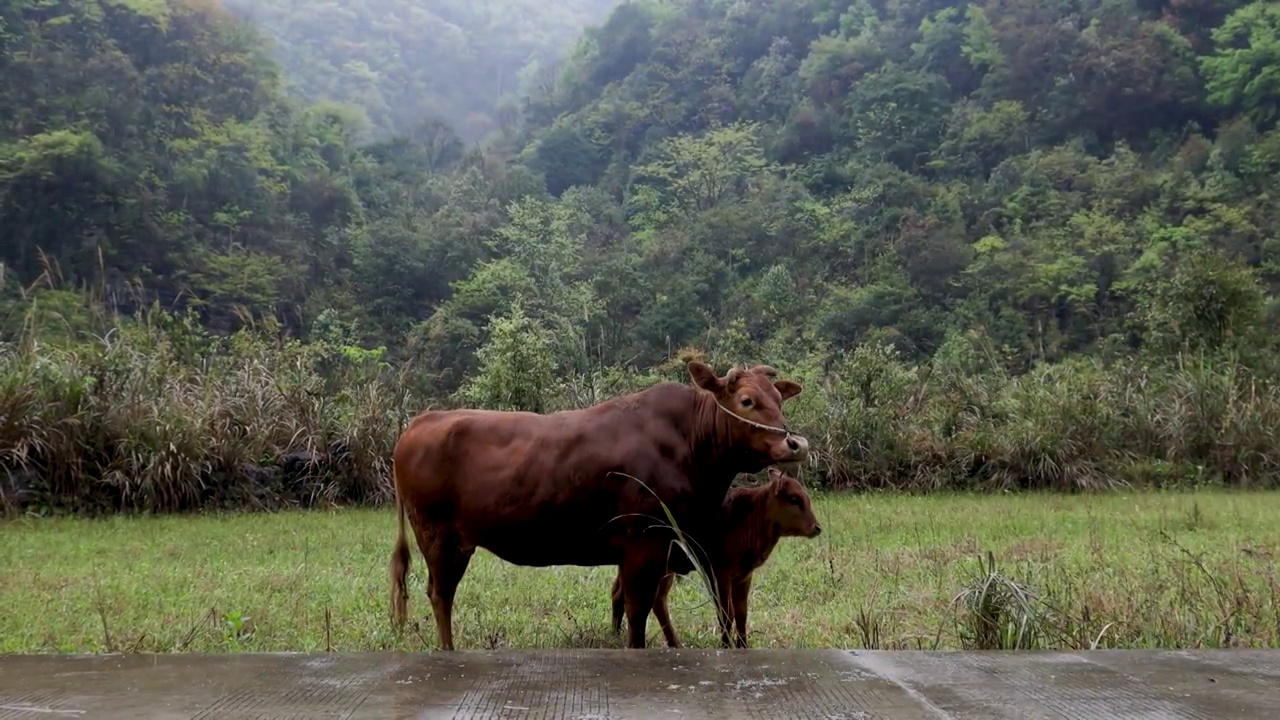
(237, 629)
(1000, 613)
(686, 544)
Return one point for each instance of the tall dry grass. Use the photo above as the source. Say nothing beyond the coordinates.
(879, 423)
(154, 414)
(100, 413)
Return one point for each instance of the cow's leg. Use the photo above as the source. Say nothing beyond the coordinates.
(741, 593)
(618, 604)
(642, 571)
(660, 608)
(453, 562)
(447, 562)
(661, 613)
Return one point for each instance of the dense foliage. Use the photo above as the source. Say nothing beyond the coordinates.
(1005, 243)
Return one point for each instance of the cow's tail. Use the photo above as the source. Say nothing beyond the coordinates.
(400, 557)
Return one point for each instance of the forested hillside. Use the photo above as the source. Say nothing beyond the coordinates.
(406, 62)
(1003, 243)
(1048, 173)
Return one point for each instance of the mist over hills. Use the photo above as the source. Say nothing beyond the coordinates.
(407, 61)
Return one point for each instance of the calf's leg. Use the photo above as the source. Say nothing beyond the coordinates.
(618, 604)
(724, 605)
(741, 593)
(660, 610)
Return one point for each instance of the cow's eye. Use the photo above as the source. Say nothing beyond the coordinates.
(746, 402)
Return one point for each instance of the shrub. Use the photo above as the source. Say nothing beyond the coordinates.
(157, 416)
(154, 414)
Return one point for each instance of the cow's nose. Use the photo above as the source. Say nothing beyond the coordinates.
(798, 446)
(817, 530)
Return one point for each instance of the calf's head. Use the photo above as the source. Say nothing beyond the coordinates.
(752, 398)
(790, 510)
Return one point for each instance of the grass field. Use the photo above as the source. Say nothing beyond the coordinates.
(1117, 570)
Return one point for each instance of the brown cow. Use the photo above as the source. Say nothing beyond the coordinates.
(581, 487)
(754, 519)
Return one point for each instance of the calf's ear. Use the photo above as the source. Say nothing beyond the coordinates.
(774, 473)
(788, 389)
(705, 377)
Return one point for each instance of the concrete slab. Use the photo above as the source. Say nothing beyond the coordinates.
(686, 684)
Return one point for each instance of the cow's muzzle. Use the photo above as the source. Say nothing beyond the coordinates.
(799, 447)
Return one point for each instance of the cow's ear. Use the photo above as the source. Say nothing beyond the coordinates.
(788, 389)
(774, 473)
(704, 377)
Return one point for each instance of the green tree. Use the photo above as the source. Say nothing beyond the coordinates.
(516, 366)
(700, 172)
(1210, 303)
(1243, 74)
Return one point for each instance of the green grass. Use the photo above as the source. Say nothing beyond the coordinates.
(1118, 570)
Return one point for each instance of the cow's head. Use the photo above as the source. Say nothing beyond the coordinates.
(789, 508)
(752, 400)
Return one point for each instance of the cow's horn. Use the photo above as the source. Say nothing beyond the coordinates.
(766, 370)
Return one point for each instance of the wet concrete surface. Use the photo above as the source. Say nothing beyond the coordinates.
(599, 684)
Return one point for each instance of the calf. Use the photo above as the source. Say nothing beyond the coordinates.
(753, 520)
